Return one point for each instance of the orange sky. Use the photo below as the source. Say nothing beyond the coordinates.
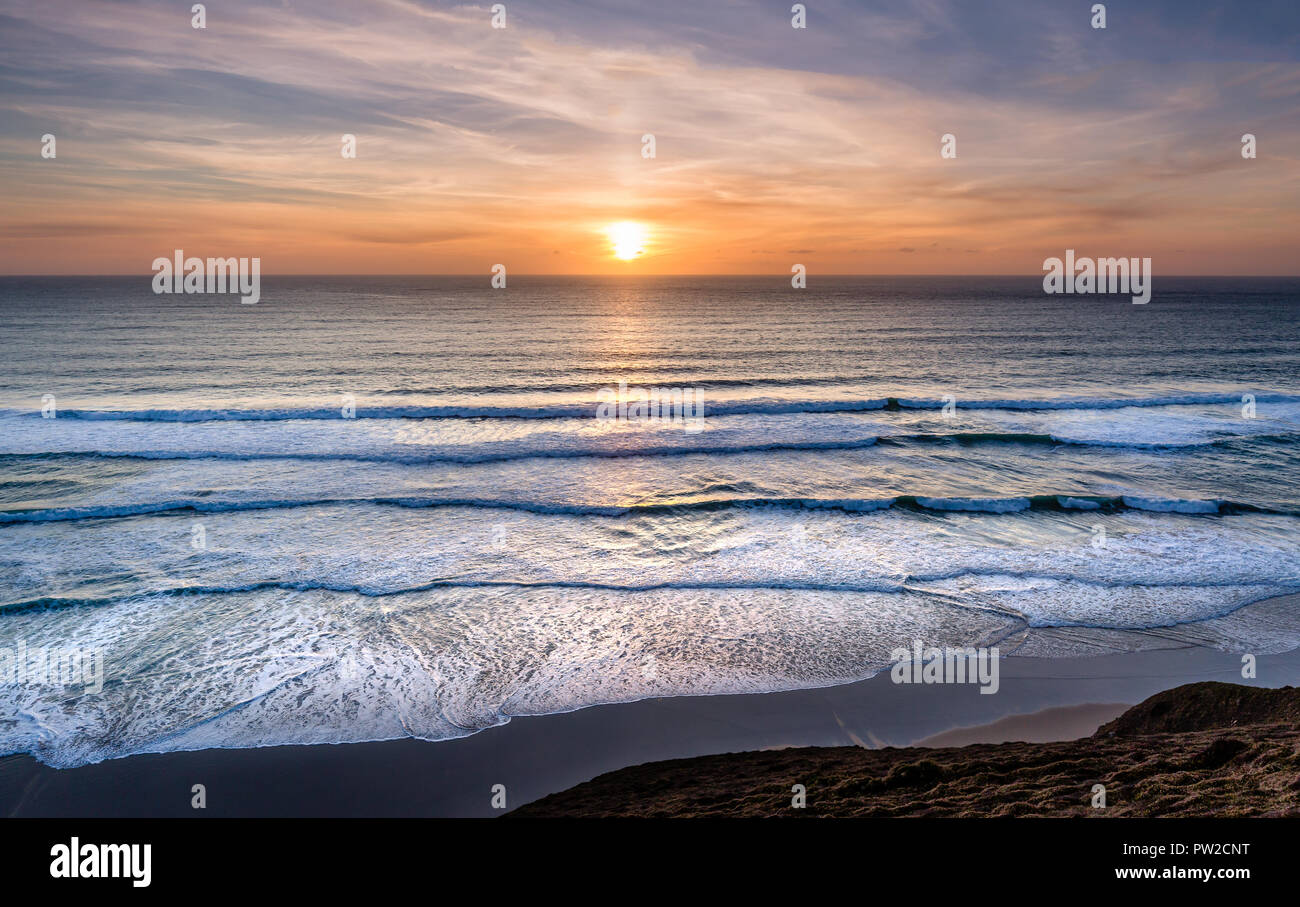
(522, 145)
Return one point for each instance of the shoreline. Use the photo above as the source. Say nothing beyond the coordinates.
(541, 755)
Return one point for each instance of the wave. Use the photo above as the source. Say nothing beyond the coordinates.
(1017, 504)
(467, 458)
(664, 372)
(765, 406)
(594, 452)
(913, 583)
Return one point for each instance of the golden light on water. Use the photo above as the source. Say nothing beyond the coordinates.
(628, 238)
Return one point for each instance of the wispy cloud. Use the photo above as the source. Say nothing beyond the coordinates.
(478, 145)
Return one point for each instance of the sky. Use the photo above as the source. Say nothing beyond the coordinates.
(774, 146)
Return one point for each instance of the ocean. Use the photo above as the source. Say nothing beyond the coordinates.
(368, 508)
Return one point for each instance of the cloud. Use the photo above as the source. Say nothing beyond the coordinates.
(479, 145)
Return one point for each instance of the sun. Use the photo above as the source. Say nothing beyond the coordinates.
(628, 238)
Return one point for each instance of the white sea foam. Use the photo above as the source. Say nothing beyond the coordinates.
(432, 627)
(269, 668)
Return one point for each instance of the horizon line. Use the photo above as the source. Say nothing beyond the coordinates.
(488, 274)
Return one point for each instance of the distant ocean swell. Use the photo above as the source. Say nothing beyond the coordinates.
(694, 449)
(725, 407)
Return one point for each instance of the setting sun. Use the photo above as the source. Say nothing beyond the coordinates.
(628, 239)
